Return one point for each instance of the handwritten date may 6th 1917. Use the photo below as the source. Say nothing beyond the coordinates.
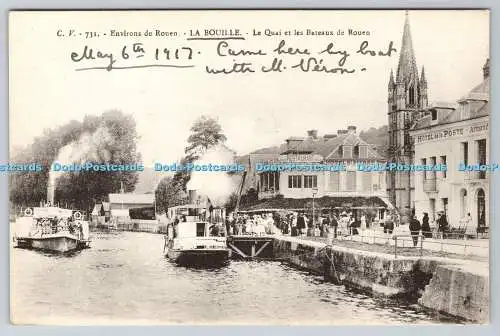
(328, 59)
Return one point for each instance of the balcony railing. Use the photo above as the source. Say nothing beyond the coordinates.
(475, 175)
(430, 185)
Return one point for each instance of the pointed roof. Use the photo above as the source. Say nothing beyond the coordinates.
(407, 66)
(391, 80)
(422, 76)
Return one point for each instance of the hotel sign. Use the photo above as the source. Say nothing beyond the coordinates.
(294, 158)
(451, 133)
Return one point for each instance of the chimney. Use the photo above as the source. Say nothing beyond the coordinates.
(313, 134)
(192, 196)
(351, 129)
(340, 132)
(486, 69)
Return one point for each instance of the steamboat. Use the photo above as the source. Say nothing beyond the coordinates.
(51, 228)
(196, 235)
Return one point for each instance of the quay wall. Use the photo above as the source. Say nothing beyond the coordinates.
(437, 284)
(458, 292)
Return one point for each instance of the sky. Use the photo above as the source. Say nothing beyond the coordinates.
(255, 110)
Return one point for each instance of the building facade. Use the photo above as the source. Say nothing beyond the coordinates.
(457, 136)
(343, 153)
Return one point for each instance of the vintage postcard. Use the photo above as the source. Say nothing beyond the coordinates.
(286, 167)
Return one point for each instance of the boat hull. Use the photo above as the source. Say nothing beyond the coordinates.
(202, 257)
(60, 244)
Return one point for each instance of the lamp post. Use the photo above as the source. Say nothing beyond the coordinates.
(314, 192)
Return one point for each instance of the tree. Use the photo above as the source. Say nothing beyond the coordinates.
(107, 139)
(206, 133)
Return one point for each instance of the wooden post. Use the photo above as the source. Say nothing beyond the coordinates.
(421, 244)
(395, 247)
(465, 244)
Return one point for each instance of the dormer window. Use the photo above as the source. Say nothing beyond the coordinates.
(363, 152)
(347, 152)
(434, 115)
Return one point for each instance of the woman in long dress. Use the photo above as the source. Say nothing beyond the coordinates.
(470, 230)
(363, 222)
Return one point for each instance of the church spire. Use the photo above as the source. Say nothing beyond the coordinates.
(391, 80)
(407, 67)
(422, 76)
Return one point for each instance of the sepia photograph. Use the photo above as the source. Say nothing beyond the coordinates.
(249, 167)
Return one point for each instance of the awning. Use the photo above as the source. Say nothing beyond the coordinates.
(326, 202)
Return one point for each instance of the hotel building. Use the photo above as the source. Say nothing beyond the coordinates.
(455, 135)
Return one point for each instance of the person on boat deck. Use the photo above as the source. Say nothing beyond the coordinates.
(61, 225)
(214, 230)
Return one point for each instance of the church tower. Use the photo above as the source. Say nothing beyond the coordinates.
(407, 96)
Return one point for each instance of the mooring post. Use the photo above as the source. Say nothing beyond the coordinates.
(395, 247)
(465, 244)
(421, 244)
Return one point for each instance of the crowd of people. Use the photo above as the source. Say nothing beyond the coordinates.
(297, 224)
(55, 225)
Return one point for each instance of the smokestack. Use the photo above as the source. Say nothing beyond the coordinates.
(50, 192)
(313, 134)
(192, 196)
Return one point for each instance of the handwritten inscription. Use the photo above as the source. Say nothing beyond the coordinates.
(209, 52)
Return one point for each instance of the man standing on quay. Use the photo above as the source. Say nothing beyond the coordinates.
(414, 230)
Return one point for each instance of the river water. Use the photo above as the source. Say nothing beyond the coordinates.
(125, 279)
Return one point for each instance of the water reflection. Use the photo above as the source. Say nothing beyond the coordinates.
(125, 278)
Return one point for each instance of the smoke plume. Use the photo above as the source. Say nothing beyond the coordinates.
(89, 147)
(216, 185)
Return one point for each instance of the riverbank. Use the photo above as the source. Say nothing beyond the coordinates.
(436, 281)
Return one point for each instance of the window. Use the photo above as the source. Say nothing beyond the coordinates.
(200, 229)
(432, 172)
(334, 181)
(347, 151)
(367, 180)
(443, 162)
(407, 140)
(465, 152)
(481, 151)
(310, 181)
(295, 181)
(350, 181)
(434, 114)
(424, 163)
(363, 152)
(411, 95)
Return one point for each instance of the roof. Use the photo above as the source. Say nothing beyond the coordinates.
(329, 148)
(480, 91)
(477, 99)
(407, 65)
(120, 213)
(97, 209)
(132, 198)
(325, 202)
